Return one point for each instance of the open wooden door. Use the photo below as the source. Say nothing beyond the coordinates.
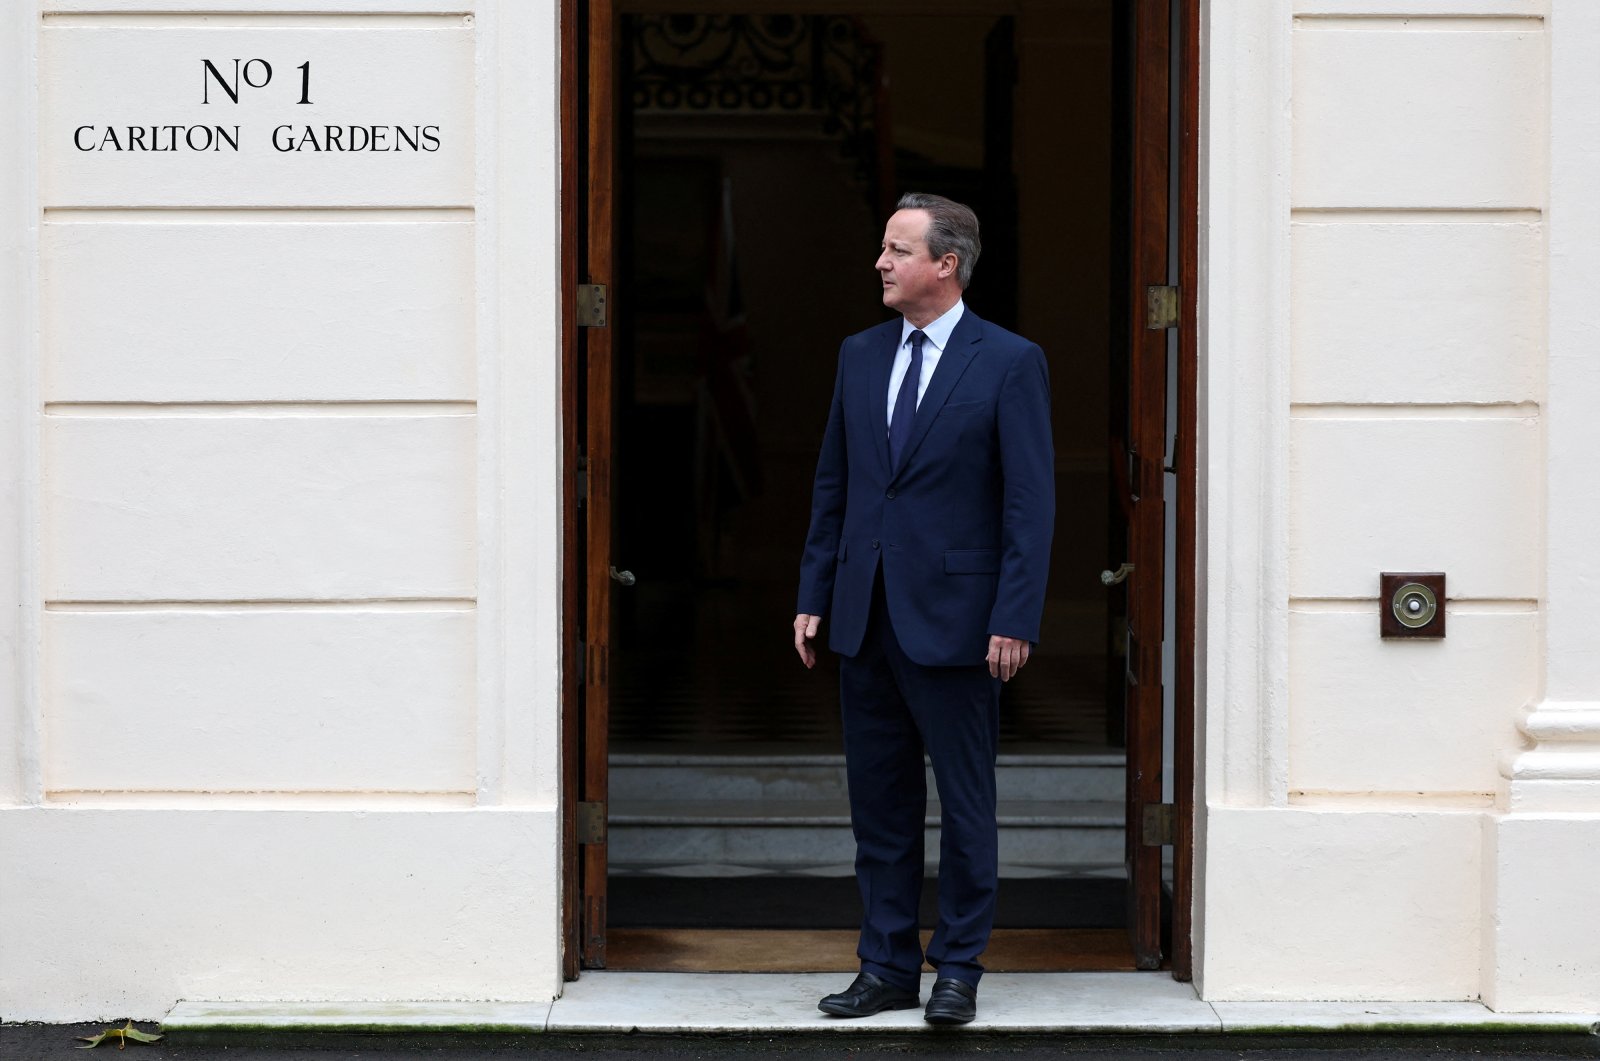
(1160, 219)
(589, 135)
(1138, 451)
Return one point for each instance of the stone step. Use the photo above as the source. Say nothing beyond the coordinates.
(817, 831)
(1091, 777)
(748, 1005)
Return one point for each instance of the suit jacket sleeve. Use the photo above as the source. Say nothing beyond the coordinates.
(1028, 506)
(820, 560)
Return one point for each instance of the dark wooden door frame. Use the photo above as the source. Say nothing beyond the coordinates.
(588, 256)
(1142, 463)
(572, 551)
(599, 375)
(576, 221)
(1186, 457)
(1166, 44)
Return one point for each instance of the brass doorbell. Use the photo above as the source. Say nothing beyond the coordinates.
(1411, 604)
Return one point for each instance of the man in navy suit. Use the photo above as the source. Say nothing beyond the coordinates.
(931, 519)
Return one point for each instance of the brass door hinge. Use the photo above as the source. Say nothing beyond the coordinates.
(591, 823)
(591, 306)
(1157, 824)
(1160, 307)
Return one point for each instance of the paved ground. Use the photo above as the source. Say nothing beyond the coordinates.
(43, 1042)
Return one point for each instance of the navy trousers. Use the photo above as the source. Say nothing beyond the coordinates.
(892, 710)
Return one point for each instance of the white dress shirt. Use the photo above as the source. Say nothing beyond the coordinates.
(938, 337)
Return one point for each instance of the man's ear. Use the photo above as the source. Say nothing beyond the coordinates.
(947, 265)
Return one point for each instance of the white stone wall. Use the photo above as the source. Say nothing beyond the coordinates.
(279, 466)
(1380, 252)
(1416, 375)
(284, 442)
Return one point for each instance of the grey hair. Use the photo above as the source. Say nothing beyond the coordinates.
(952, 229)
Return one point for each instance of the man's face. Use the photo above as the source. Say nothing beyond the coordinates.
(913, 282)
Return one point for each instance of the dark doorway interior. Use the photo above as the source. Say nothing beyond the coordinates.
(760, 157)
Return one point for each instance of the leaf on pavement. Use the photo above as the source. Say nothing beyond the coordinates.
(121, 1035)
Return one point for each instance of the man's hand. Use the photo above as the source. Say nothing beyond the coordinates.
(1006, 655)
(805, 629)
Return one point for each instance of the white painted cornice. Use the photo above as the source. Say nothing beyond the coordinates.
(1563, 721)
(1560, 771)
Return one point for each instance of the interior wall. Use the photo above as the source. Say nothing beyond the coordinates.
(801, 253)
(936, 83)
(1063, 164)
(801, 297)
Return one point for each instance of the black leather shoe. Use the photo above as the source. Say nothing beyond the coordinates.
(868, 995)
(951, 1002)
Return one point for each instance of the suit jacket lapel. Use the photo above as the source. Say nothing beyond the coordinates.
(958, 354)
(878, 395)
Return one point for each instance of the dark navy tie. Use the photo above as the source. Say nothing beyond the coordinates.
(905, 403)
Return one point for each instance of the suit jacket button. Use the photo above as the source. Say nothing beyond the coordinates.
(891, 495)
(874, 543)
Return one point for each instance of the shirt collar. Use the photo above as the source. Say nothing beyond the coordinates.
(938, 331)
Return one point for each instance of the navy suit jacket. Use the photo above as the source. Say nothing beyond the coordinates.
(962, 528)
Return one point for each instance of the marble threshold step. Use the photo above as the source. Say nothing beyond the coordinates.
(815, 831)
(784, 1004)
